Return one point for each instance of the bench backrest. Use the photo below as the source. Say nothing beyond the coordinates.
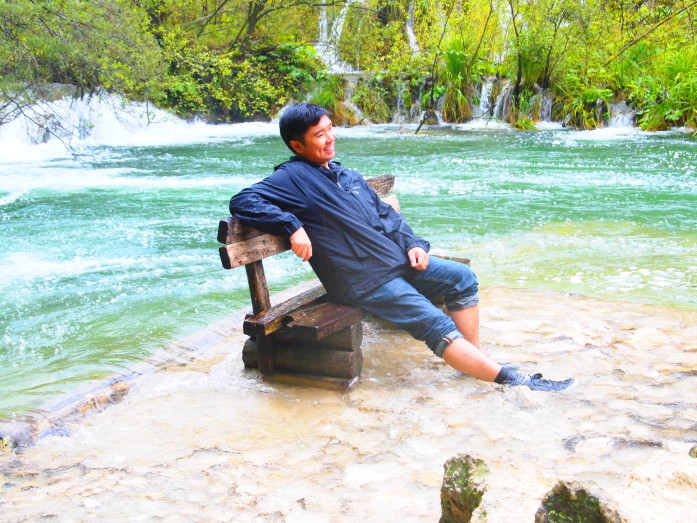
(244, 245)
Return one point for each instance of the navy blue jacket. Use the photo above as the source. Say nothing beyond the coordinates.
(358, 241)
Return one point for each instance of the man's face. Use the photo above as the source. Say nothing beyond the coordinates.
(319, 143)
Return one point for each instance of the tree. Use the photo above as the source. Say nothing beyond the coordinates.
(92, 45)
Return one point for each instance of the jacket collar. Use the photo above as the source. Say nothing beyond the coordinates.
(332, 164)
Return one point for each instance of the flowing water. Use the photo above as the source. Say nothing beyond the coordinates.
(585, 244)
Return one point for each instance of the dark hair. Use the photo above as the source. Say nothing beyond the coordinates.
(297, 119)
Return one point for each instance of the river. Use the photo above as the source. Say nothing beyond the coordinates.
(585, 244)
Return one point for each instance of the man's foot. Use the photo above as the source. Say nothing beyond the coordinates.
(509, 376)
(537, 382)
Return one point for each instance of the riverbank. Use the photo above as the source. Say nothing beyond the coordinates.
(207, 440)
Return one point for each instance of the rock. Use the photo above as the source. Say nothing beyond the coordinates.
(572, 502)
(693, 452)
(462, 489)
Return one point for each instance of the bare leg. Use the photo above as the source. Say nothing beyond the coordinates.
(465, 357)
(467, 322)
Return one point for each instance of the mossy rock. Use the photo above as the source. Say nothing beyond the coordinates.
(463, 488)
(570, 502)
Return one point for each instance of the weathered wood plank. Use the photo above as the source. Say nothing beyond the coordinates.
(266, 347)
(319, 321)
(254, 249)
(272, 320)
(298, 358)
(258, 289)
(382, 184)
(232, 230)
(348, 339)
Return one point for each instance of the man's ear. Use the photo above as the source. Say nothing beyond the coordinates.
(297, 146)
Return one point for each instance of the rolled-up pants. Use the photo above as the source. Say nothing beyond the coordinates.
(406, 301)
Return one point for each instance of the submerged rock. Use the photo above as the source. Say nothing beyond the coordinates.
(572, 502)
(462, 489)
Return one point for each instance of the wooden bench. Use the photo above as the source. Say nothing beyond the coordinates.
(306, 339)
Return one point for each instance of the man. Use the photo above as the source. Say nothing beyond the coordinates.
(364, 252)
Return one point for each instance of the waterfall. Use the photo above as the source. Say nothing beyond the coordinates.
(413, 114)
(411, 36)
(621, 115)
(329, 37)
(71, 122)
(484, 107)
(502, 108)
(545, 106)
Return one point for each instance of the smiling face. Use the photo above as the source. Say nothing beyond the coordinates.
(317, 145)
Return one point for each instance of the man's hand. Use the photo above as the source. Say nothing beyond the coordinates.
(418, 258)
(301, 245)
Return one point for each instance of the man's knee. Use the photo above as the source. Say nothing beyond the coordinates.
(439, 347)
(465, 289)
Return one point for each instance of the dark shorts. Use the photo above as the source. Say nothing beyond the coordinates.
(406, 302)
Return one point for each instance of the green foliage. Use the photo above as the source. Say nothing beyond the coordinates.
(234, 60)
(103, 44)
(668, 97)
(373, 97)
(579, 104)
(228, 88)
(455, 75)
(330, 92)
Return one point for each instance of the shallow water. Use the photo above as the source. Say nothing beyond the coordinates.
(109, 255)
(210, 441)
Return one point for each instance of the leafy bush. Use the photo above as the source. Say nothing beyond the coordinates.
(374, 99)
(579, 104)
(668, 97)
(228, 88)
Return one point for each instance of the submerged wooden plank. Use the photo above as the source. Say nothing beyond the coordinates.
(294, 356)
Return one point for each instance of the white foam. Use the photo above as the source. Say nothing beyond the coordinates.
(482, 124)
(549, 126)
(67, 179)
(27, 266)
(108, 120)
(607, 133)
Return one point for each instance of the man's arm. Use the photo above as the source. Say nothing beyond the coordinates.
(270, 205)
(262, 206)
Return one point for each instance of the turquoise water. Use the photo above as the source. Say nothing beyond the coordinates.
(110, 255)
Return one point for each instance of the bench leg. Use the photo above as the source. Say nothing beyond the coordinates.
(337, 358)
(266, 347)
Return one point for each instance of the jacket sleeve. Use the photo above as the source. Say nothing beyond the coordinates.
(395, 226)
(270, 205)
